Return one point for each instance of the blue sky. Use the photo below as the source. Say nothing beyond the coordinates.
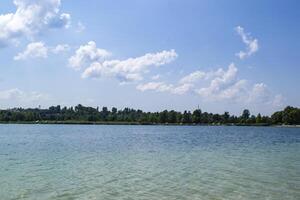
(153, 55)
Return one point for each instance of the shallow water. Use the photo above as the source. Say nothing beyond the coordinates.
(148, 162)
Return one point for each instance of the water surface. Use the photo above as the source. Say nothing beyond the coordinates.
(148, 162)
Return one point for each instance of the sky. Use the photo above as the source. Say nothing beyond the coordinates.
(151, 55)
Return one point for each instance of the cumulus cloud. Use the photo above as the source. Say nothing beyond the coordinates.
(232, 92)
(182, 89)
(33, 50)
(221, 79)
(251, 43)
(156, 86)
(219, 85)
(80, 27)
(130, 69)
(19, 95)
(64, 20)
(156, 77)
(278, 101)
(223, 85)
(31, 17)
(61, 48)
(87, 54)
(40, 50)
(261, 94)
(163, 87)
(193, 77)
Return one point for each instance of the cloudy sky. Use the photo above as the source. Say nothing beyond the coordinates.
(152, 55)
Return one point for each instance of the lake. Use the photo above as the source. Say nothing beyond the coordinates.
(148, 162)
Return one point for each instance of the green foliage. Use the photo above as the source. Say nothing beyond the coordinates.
(258, 119)
(80, 113)
(289, 116)
(246, 114)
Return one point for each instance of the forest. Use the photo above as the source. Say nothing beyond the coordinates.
(88, 115)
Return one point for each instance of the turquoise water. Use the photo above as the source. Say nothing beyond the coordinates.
(148, 162)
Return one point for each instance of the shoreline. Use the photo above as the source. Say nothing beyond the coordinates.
(141, 123)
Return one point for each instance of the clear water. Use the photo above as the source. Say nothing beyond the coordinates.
(148, 162)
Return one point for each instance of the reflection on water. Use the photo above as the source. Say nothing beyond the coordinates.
(148, 162)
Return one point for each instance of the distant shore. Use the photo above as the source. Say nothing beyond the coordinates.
(140, 123)
(89, 115)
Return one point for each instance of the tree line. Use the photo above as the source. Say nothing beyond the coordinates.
(81, 114)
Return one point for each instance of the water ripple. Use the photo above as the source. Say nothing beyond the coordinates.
(148, 162)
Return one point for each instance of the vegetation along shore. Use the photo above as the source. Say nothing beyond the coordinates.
(80, 114)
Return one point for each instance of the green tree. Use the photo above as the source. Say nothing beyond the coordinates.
(258, 118)
(163, 117)
(197, 116)
(226, 117)
(277, 117)
(187, 117)
(172, 117)
(246, 114)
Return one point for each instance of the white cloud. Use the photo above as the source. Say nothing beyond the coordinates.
(261, 94)
(182, 89)
(216, 89)
(33, 50)
(156, 86)
(222, 85)
(87, 54)
(80, 27)
(156, 77)
(193, 77)
(40, 50)
(163, 87)
(61, 48)
(251, 43)
(233, 92)
(218, 85)
(31, 17)
(19, 95)
(131, 69)
(227, 86)
(278, 101)
(63, 20)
